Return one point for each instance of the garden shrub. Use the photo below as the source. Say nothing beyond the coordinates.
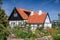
(24, 34)
(58, 31)
(20, 33)
(51, 31)
(56, 37)
(4, 32)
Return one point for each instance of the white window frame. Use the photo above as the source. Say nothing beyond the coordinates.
(13, 24)
(15, 15)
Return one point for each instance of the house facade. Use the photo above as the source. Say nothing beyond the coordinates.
(23, 17)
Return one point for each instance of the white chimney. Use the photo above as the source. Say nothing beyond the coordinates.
(32, 12)
(40, 12)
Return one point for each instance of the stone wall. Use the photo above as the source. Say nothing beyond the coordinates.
(42, 38)
(45, 38)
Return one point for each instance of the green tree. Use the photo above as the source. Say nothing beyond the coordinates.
(59, 16)
(4, 30)
(58, 19)
(0, 3)
(3, 16)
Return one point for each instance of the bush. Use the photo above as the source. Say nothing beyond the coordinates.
(56, 37)
(4, 32)
(21, 33)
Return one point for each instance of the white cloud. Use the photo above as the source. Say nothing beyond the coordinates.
(56, 1)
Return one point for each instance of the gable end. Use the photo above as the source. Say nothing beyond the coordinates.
(12, 16)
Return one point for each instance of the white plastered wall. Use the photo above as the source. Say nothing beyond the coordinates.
(47, 23)
(16, 23)
(33, 26)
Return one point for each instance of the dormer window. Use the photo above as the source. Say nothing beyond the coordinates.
(15, 15)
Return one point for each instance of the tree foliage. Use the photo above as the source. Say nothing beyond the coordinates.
(3, 18)
(59, 16)
(4, 30)
(1, 3)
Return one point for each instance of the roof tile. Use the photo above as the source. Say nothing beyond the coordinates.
(37, 18)
(22, 13)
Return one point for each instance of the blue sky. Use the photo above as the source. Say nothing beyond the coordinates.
(50, 6)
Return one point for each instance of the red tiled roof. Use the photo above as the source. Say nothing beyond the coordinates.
(36, 18)
(22, 13)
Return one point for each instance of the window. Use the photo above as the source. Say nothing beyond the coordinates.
(15, 15)
(13, 24)
(20, 23)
